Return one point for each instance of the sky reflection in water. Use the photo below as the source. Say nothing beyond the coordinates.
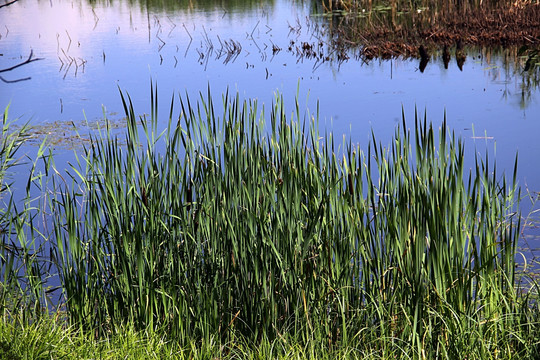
(93, 49)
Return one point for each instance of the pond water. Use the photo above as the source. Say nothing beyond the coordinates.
(91, 49)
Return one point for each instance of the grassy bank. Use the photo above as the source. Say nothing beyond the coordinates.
(249, 234)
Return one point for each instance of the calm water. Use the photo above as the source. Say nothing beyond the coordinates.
(90, 49)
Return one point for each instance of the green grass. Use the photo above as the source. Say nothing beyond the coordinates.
(52, 339)
(237, 237)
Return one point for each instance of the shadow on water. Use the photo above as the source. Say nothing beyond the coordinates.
(435, 30)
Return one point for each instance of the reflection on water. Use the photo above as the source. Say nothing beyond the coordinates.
(92, 48)
(430, 30)
(206, 6)
(433, 21)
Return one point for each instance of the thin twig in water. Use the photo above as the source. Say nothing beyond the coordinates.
(173, 24)
(69, 37)
(209, 43)
(96, 19)
(27, 61)
(162, 42)
(252, 31)
(14, 81)
(9, 3)
(184, 25)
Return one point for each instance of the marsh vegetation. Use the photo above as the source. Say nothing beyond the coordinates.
(239, 227)
(396, 27)
(220, 226)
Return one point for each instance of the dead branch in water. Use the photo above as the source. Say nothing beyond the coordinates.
(9, 3)
(30, 59)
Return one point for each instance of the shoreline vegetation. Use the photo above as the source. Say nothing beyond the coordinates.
(249, 234)
(395, 28)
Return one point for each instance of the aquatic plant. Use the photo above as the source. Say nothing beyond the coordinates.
(228, 227)
(370, 29)
(22, 271)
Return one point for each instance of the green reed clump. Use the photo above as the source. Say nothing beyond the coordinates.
(229, 226)
(22, 275)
